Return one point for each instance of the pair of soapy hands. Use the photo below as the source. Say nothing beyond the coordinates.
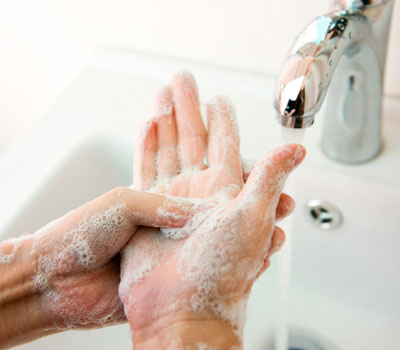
(207, 274)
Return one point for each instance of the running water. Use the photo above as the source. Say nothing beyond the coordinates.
(284, 257)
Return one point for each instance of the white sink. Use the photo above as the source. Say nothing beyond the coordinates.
(345, 283)
(91, 167)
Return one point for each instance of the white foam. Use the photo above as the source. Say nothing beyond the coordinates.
(262, 172)
(46, 268)
(141, 258)
(222, 106)
(213, 260)
(248, 164)
(183, 76)
(15, 244)
(105, 309)
(9, 258)
(163, 104)
(86, 246)
(201, 210)
(97, 234)
(141, 134)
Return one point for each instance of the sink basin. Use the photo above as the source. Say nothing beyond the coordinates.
(345, 285)
(108, 156)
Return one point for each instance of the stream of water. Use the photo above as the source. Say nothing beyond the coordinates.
(284, 258)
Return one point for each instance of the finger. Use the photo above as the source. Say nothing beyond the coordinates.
(264, 267)
(151, 209)
(277, 241)
(247, 167)
(109, 221)
(265, 183)
(166, 133)
(140, 257)
(223, 138)
(285, 207)
(191, 130)
(144, 166)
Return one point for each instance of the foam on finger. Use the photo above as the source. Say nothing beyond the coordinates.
(167, 157)
(191, 131)
(266, 181)
(223, 136)
(68, 248)
(9, 249)
(144, 166)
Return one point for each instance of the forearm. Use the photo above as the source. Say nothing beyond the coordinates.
(22, 321)
(33, 267)
(21, 317)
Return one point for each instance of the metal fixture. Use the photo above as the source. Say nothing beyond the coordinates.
(340, 55)
(323, 214)
(304, 341)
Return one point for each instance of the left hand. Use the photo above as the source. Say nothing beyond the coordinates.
(66, 275)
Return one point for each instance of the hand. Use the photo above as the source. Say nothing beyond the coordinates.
(66, 275)
(179, 288)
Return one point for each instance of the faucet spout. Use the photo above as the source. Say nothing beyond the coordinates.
(339, 57)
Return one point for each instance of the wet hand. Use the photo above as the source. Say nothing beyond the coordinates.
(208, 274)
(67, 273)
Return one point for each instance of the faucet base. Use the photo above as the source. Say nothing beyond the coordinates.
(352, 124)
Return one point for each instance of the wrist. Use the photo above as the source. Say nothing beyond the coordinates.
(17, 270)
(21, 315)
(158, 321)
(177, 317)
(187, 332)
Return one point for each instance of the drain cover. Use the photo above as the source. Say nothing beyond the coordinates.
(323, 214)
(303, 341)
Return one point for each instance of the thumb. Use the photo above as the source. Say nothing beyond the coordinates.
(265, 183)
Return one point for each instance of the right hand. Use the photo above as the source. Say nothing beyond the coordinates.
(209, 274)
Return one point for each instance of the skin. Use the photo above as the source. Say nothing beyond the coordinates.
(71, 290)
(28, 312)
(161, 307)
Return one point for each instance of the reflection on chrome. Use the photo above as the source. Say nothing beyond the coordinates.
(341, 56)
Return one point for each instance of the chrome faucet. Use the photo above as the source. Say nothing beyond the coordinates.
(340, 56)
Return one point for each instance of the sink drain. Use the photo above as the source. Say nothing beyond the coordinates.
(298, 342)
(323, 214)
(304, 341)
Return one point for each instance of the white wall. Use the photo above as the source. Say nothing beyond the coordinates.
(44, 43)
